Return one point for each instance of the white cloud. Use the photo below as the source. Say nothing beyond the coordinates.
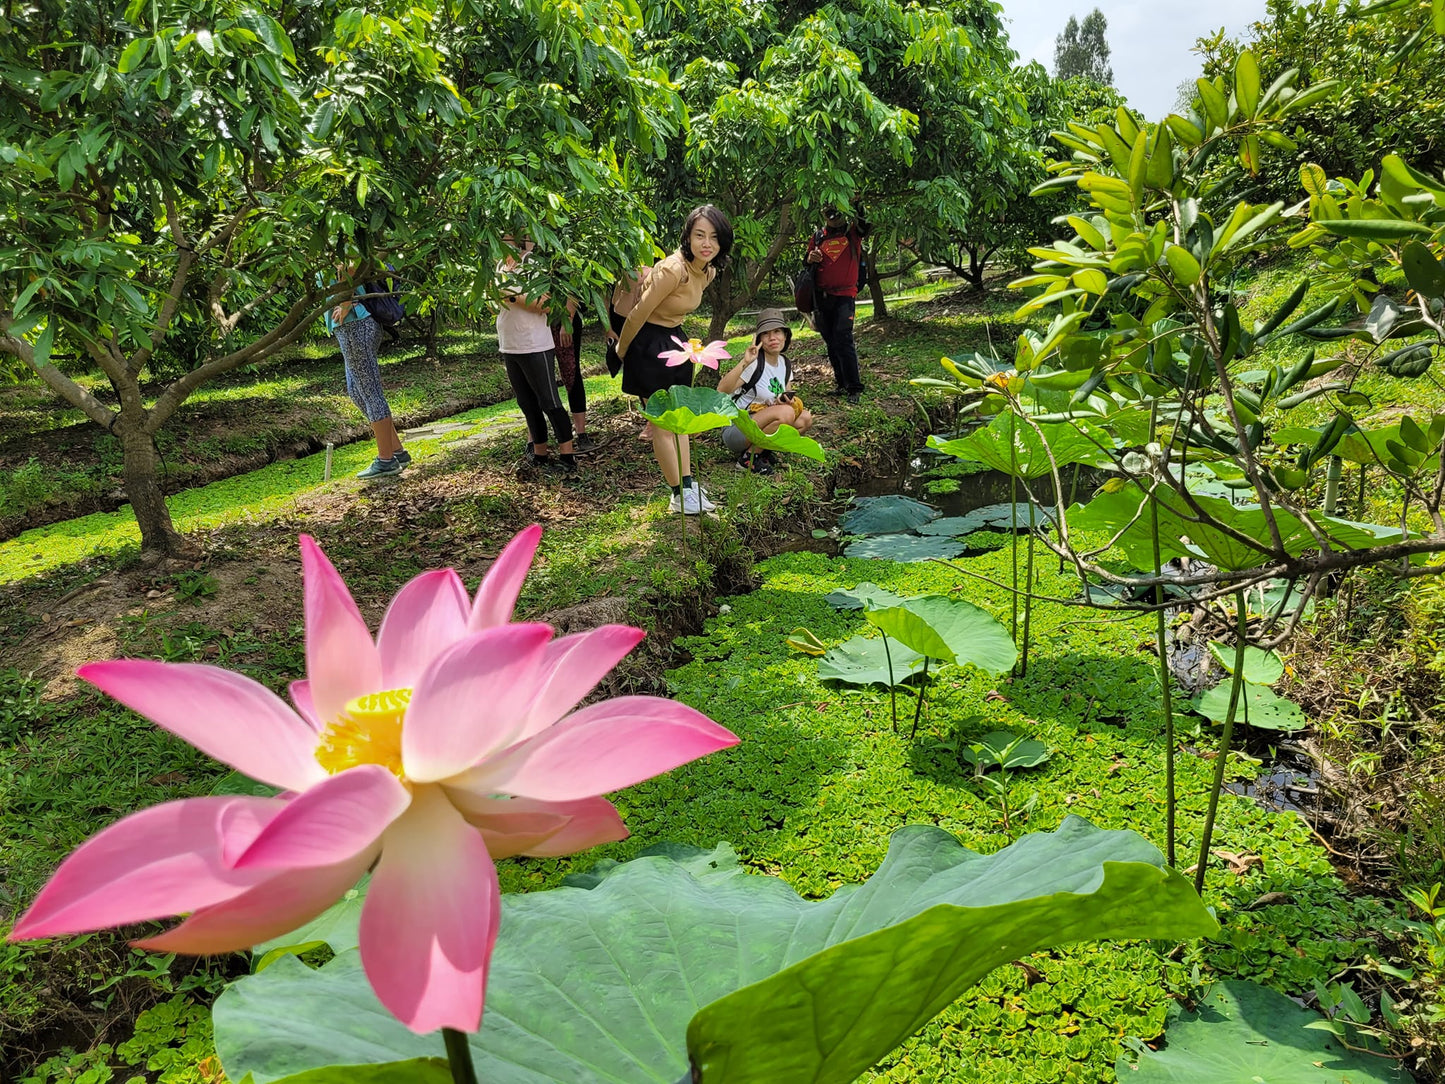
(1150, 44)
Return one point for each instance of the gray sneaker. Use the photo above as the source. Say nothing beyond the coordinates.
(403, 457)
(382, 468)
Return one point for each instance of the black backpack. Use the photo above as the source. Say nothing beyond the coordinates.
(386, 308)
(751, 383)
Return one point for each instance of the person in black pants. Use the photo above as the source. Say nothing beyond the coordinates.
(567, 343)
(525, 342)
(837, 252)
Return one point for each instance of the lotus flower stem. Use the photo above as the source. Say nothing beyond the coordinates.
(892, 688)
(459, 1057)
(1165, 687)
(1166, 697)
(677, 448)
(922, 691)
(1235, 687)
(1028, 595)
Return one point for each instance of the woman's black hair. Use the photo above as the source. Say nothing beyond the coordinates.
(719, 222)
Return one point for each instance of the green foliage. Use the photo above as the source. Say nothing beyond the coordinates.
(1082, 52)
(886, 515)
(685, 409)
(765, 985)
(1246, 1032)
(903, 547)
(1387, 72)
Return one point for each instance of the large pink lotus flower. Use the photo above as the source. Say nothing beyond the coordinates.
(694, 351)
(449, 741)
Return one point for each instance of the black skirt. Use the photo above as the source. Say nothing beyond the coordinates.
(644, 371)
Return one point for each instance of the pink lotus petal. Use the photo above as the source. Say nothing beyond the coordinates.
(335, 820)
(471, 700)
(712, 353)
(675, 357)
(601, 748)
(159, 862)
(431, 917)
(571, 668)
(514, 826)
(427, 615)
(342, 663)
(497, 595)
(301, 696)
(274, 907)
(223, 714)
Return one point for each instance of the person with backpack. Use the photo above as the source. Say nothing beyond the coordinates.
(654, 327)
(525, 342)
(836, 253)
(762, 384)
(359, 336)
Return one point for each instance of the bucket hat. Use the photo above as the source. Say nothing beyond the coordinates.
(773, 320)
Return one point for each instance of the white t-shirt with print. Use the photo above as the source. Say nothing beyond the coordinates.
(520, 331)
(771, 383)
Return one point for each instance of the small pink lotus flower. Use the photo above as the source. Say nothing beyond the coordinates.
(694, 351)
(449, 741)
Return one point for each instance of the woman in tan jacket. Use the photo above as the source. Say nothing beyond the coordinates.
(673, 291)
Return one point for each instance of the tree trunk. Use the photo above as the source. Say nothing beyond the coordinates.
(975, 268)
(875, 288)
(143, 488)
(724, 304)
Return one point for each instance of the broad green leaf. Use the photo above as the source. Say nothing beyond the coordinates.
(684, 409)
(1138, 163)
(1245, 1032)
(1182, 262)
(1014, 446)
(1260, 667)
(993, 751)
(1374, 229)
(953, 630)
(133, 55)
(415, 1071)
(1259, 706)
(1216, 106)
(1313, 178)
(994, 517)
(903, 548)
(1246, 83)
(680, 957)
(885, 515)
(785, 439)
(805, 640)
(864, 596)
(864, 660)
(1424, 273)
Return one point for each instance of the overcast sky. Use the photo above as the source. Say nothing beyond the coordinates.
(1150, 41)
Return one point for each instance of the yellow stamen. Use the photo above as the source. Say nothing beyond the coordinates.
(368, 731)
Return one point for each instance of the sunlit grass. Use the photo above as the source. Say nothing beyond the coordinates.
(258, 496)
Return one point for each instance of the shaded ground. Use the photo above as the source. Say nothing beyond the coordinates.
(55, 464)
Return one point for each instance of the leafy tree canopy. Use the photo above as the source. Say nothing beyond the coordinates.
(1082, 51)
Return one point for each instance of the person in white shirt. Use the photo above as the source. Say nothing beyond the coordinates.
(524, 340)
(762, 385)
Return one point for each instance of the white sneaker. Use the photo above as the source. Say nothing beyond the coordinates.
(691, 501)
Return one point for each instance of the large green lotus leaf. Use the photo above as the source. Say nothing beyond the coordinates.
(994, 517)
(1243, 1033)
(952, 630)
(1125, 513)
(684, 409)
(1015, 447)
(904, 548)
(1261, 667)
(864, 661)
(865, 596)
(785, 439)
(886, 514)
(1259, 706)
(416, 1071)
(665, 961)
